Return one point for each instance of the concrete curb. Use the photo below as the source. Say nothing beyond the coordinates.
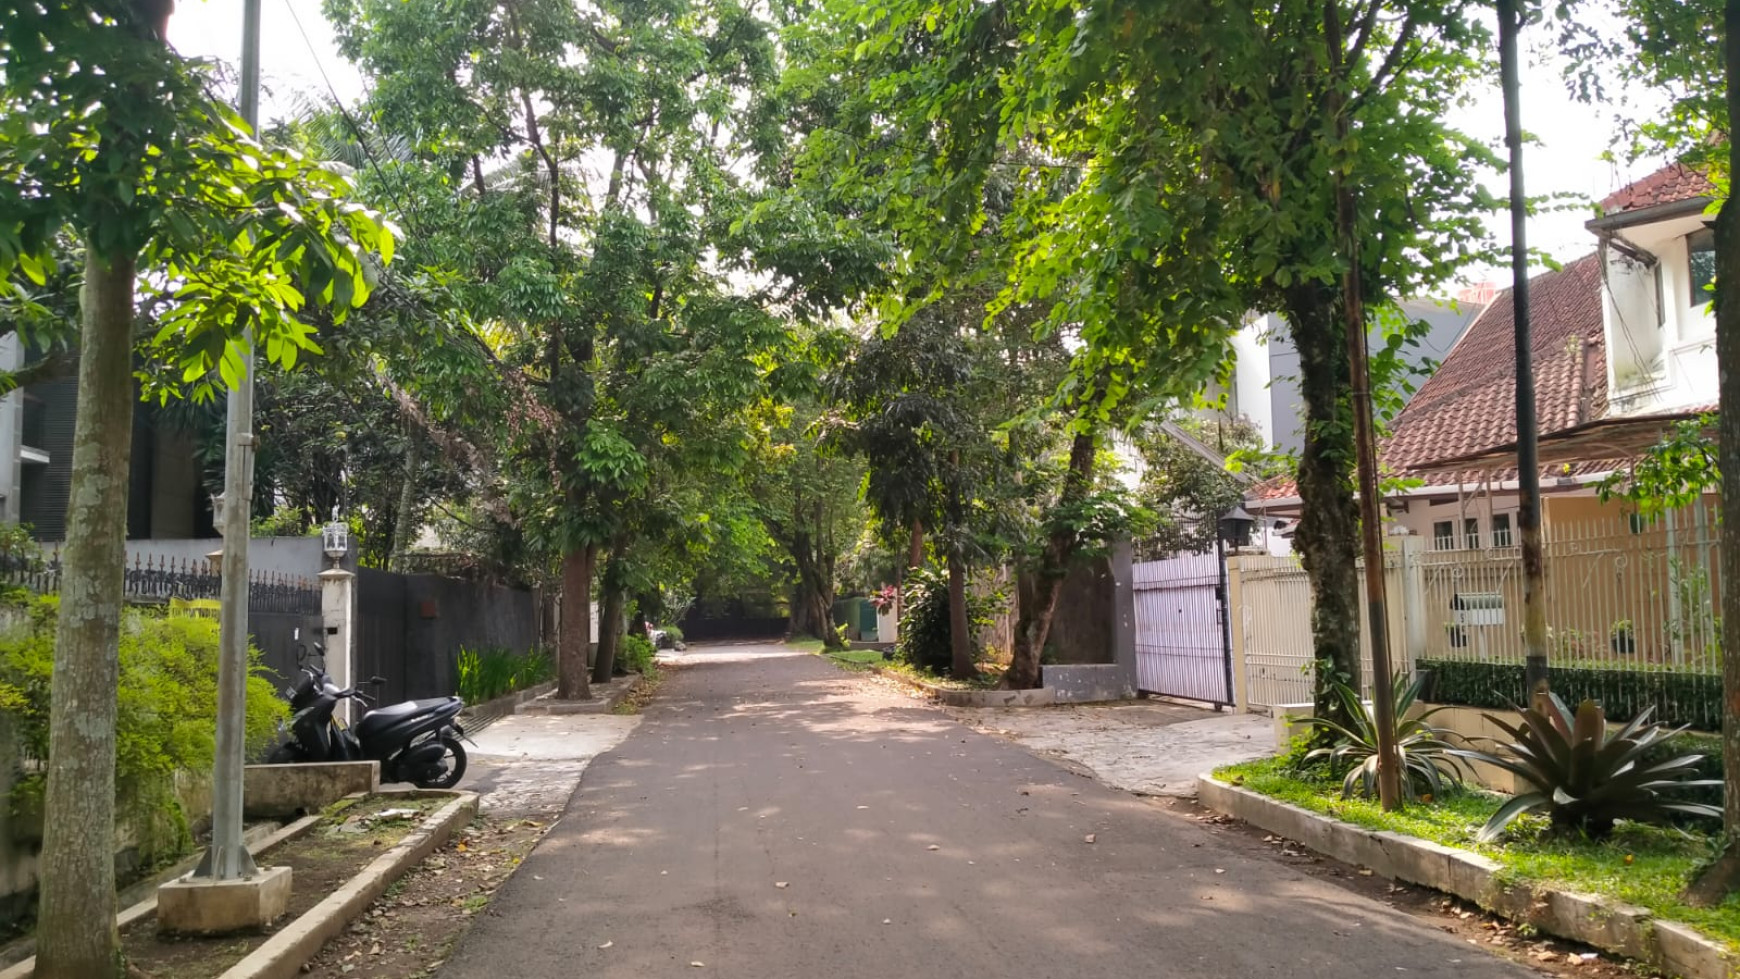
(283, 955)
(1602, 922)
(547, 704)
(258, 840)
(476, 717)
(952, 697)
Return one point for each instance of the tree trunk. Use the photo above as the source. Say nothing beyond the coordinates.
(576, 633)
(1328, 535)
(609, 622)
(405, 522)
(76, 936)
(1037, 589)
(961, 664)
(915, 547)
(1722, 877)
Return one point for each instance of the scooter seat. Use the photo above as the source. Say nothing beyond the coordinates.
(382, 717)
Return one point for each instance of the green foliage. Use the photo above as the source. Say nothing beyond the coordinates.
(167, 699)
(924, 621)
(1428, 759)
(673, 632)
(1186, 491)
(491, 672)
(636, 653)
(1677, 697)
(1585, 779)
(1673, 473)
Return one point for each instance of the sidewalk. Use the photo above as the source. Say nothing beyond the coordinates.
(527, 763)
(1147, 747)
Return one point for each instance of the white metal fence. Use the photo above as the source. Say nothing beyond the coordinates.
(1622, 594)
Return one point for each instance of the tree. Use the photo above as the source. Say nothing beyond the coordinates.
(1186, 482)
(1691, 53)
(624, 144)
(110, 137)
(1172, 194)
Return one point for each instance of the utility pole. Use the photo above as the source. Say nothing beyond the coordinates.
(1389, 769)
(1528, 517)
(228, 857)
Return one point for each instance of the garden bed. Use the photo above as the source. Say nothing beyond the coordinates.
(329, 862)
(1632, 880)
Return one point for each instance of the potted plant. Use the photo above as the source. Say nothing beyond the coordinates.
(1621, 637)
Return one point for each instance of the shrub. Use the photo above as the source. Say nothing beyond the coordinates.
(673, 633)
(167, 700)
(1427, 758)
(1584, 778)
(635, 653)
(924, 621)
(493, 671)
(1678, 698)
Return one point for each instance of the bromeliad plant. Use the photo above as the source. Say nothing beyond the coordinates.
(1428, 760)
(1585, 779)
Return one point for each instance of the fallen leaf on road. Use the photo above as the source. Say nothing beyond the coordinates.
(1088, 838)
(933, 846)
(888, 921)
(1219, 870)
(782, 885)
(607, 944)
(863, 807)
(698, 965)
(1364, 872)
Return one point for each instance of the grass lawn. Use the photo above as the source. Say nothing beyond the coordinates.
(1639, 864)
(806, 645)
(856, 659)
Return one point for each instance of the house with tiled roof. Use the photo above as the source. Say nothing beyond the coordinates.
(1622, 346)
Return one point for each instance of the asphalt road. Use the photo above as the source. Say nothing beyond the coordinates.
(773, 817)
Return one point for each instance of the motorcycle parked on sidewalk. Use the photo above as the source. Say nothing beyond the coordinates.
(417, 741)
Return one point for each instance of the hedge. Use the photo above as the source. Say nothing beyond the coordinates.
(1693, 699)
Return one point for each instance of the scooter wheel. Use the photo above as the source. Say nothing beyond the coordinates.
(284, 754)
(446, 773)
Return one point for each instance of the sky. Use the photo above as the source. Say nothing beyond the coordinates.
(1572, 137)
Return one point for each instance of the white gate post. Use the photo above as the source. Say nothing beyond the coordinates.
(1236, 628)
(338, 613)
(1413, 606)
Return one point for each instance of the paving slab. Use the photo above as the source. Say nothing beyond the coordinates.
(1147, 747)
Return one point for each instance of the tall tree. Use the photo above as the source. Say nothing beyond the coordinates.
(1690, 52)
(1174, 193)
(109, 136)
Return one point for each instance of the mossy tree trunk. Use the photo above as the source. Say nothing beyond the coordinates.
(1328, 535)
(576, 632)
(76, 936)
(1722, 876)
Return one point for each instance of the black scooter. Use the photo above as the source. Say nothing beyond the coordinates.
(416, 741)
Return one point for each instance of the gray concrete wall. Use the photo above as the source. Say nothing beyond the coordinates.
(298, 556)
(1116, 679)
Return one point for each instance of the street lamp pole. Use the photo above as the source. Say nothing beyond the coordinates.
(228, 857)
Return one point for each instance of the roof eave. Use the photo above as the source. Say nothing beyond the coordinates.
(1649, 215)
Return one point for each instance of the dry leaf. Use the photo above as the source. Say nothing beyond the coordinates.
(933, 846)
(698, 965)
(1363, 872)
(1218, 870)
(607, 944)
(782, 885)
(1088, 838)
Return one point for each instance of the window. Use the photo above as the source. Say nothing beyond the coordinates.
(1471, 533)
(1501, 530)
(1701, 245)
(1443, 536)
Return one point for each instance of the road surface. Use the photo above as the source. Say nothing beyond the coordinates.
(775, 818)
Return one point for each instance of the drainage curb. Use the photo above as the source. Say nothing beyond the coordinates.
(1598, 921)
(283, 955)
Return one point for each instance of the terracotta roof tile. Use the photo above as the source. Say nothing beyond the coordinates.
(1674, 182)
(1469, 403)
